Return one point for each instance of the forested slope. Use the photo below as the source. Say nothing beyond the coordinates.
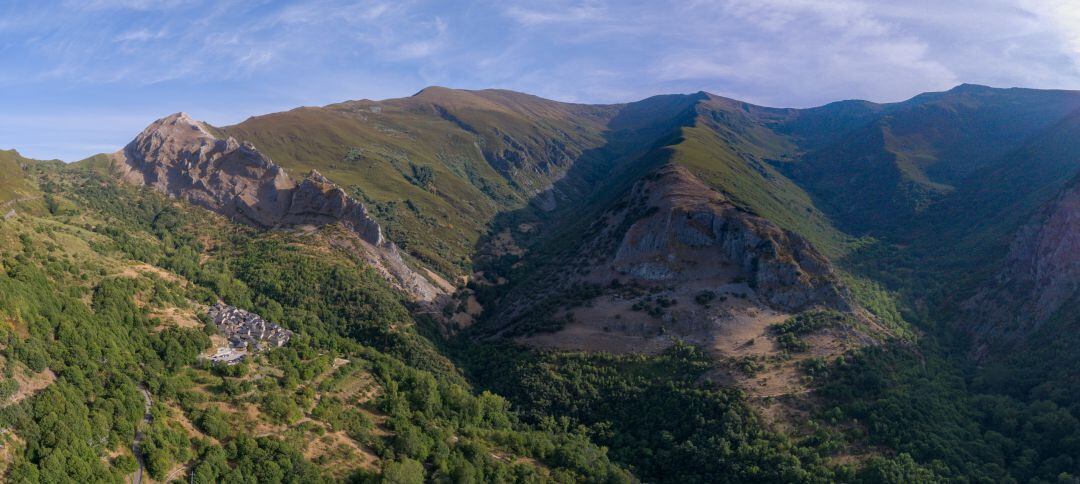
(686, 288)
(103, 295)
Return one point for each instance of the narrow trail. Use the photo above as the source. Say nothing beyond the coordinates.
(136, 477)
(13, 201)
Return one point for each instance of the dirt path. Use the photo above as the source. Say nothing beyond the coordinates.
(17, 200)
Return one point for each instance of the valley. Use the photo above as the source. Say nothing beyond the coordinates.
(478, 286)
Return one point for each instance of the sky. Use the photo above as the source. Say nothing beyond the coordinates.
(79, 77)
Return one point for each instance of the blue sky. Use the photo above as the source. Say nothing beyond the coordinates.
(83, 77)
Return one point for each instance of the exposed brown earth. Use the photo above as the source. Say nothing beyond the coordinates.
(339, 454)
(693, 231)
(685, 241)
(176, 317)
(30, 383)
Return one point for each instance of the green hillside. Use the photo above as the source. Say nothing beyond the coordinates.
(437, 166)
(14, 184)
(102, 302)
(730, 149)
(103, 288)
(913, 154)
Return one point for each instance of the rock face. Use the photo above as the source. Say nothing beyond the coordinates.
(686, 231)
(182, 158)
(1041, 274)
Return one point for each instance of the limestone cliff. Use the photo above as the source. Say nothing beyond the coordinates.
(670, 236)
(1040, 275)
(182, 158)
(686, 231)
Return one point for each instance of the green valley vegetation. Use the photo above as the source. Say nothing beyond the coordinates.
(88, 298)
(811, 322)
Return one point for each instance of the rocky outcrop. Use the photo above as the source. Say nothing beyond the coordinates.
(182, 158)
(673, 259)
(1040, 276)
(686, 231)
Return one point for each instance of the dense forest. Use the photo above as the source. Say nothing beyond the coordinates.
(868, 376)
(913, 413)
(73, 313)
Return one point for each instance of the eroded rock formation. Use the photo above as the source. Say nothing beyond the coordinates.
(182, 158)
(1041, 274)
(685, 230)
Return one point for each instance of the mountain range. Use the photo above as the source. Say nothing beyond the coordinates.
(491, 286)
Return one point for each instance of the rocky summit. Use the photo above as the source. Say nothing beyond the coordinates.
(180, 157)
(488, 286)
(650, 277)
(688, 230)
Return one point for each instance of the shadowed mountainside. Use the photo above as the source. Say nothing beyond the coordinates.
(508, 183)
(914, 154)
(791, 280)
(1041, 275)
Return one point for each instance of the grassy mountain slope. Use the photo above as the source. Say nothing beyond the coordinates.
(915, 153)
(814, 128)
(724, 143)
(14, 183)
(439, 165)
(100, 302)
(728, 147)
(532, 199)
(1010, 188)
(448, 160)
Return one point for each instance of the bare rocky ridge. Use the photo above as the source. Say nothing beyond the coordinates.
(672, 230)
(677, 260)
(1040, 275)
(182, 158)
(693, 228)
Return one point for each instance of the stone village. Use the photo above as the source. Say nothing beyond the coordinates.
(246, 333)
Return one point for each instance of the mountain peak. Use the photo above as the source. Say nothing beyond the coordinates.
(966, 87)
(180, 157)
(178, 125)
(430, 90)
(315, 176)
(178, 118)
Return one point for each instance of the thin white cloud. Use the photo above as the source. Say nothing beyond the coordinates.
(847, 17)
(140, 35)
(244, 57)
(554, 13)
(1064, 17)
(124, 4)
(424, 48)
(216, 40)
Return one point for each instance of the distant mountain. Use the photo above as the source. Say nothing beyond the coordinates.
(705, 286)
(911, 155)
(451, 176)
(438, 166)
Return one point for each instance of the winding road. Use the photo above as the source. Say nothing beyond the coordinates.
(136, 478)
